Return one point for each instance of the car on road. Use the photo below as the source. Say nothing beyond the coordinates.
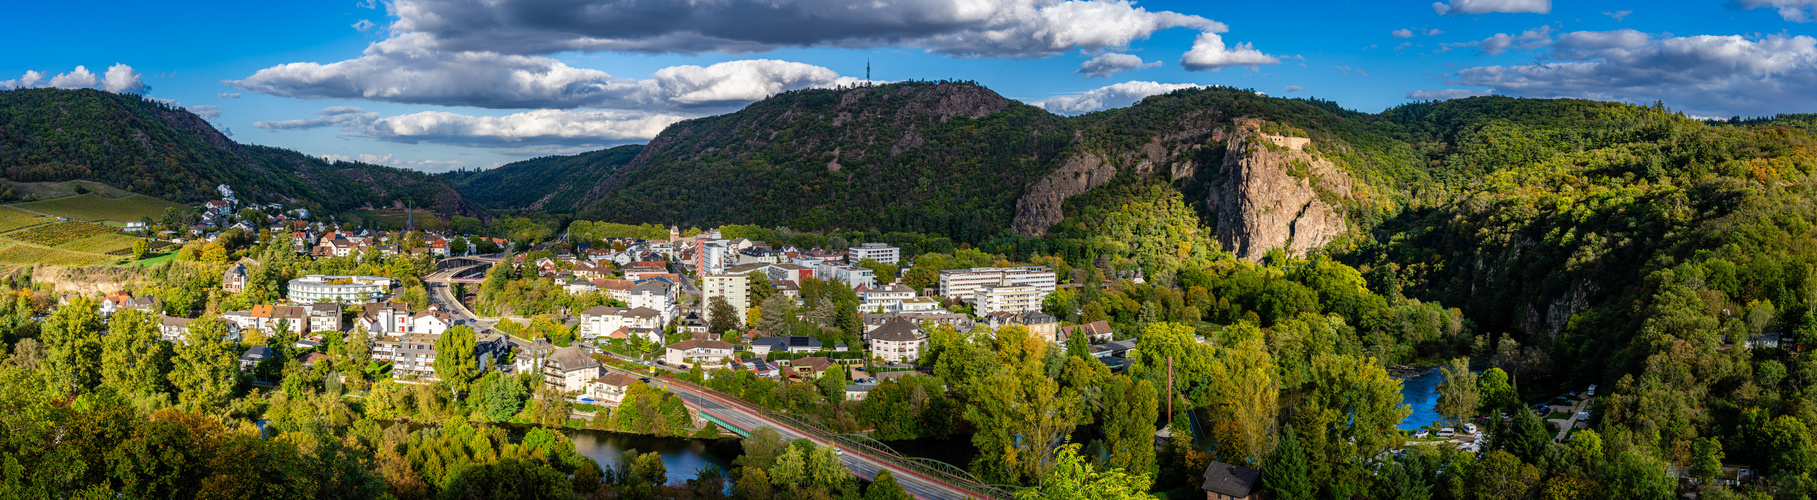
(839, 451)
(661, 362)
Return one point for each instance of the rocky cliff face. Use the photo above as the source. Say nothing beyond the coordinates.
(1171, 155)
(1274, 194)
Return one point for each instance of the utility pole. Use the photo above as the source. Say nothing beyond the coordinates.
(1170, 391)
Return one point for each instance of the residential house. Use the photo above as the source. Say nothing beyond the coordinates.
(410, 354)
(589, 270)
(960, 322)
(811, 368)
(788, 272)
(570, 369)
(852, 276)
(253, 356)
(857, 392)
(732, 288)
(1042, 325)
(234, 280)
(1231, 482)
(610, 388)
(706, 354)
(619, 290)
(899, 340)
(433, 321)
(1007, 298)
(1096, 331)
(764, 345)
(654, 295)
(324, 316)
(531, 357)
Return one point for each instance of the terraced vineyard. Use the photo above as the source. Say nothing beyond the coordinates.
(13, 218)
(27, 254)
(89, 207)
(51, 235)
(111, 244)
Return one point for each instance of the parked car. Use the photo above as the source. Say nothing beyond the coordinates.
(1422, 434)
(661, 362)
(1470, 428)
(1591, 391)
(1583, 415)
(1447, 432)
(1470, 447)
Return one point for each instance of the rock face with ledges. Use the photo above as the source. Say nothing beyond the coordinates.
(1275, 195)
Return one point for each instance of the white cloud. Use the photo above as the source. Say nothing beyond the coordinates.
(1703, 75)
(1209, 53)
(1294, 88)
(1112, 63)
(1435, 32)
(1798, 11)
(966, 28)
(118, 79)
(1618, 15)
(1348, 71)
(1107, 97)
(228, 95)
(1501, 42)
(402, 70)
(1445, 94)
(206, 111)
(1403, 33)
(1468, 7)
(364, 25)
(539, 127)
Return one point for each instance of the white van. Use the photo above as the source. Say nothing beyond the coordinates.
(1470, 428)
(1447, 432)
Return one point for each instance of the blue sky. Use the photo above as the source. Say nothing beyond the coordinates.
(441, 84)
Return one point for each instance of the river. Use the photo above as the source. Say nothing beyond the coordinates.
(1421, 393)
(684, 457)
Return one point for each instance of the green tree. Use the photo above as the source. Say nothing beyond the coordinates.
(725, 317)
(1526, 437)
(134, 357)
(205, 371)
(1706, 459)
(1244, 401)
(455, 360)
(1497, 392)
(139, 248)
(1074, 478)
(884, 487)
(1501, 476)
(72, 345)
(1017, 412)
(1460, 392)
(1402, 480)
(1130, 411)
(1286, 475)
(1635, 475)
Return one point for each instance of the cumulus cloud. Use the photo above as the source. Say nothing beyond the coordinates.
(1112, 96)
(1113, 63)
(1501, 42)
(1445, 94)
(118, 79)
(1209, 53)
(1403, 33)
(1704, 75)
(1798, 11)
(1470, 7)
(206, 111)
(969, 28)
(399, 70)
(364, 25)
(539, 127)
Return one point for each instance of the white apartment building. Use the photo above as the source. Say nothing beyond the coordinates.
(881, 253)
(1007, 298)
(887, 298)
(711, 257)
(898, 340)
(852, 276)
(734, 288)
(962, 283)
(343, 289)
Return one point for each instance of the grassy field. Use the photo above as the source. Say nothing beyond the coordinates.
(27, 254)
(50, 190)
(13, 218)
(89, 207)
(108, 243)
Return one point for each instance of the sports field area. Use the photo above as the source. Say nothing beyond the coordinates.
(88, 207)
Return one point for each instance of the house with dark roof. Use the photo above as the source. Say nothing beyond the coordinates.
(897, 340)
(610, 388)
(764, 345)
(570, 369)
(1231, 482)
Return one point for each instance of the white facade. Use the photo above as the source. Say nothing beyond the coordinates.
(887, 298)
(1007, 298)
(343, 289)
(734, 288)
(962, 283)
(881, 253)
(852, 276)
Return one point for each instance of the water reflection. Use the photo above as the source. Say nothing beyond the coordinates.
(682, 456)
(1421, 393)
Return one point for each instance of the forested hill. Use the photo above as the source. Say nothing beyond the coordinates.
(549, 183)
(146, 146)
